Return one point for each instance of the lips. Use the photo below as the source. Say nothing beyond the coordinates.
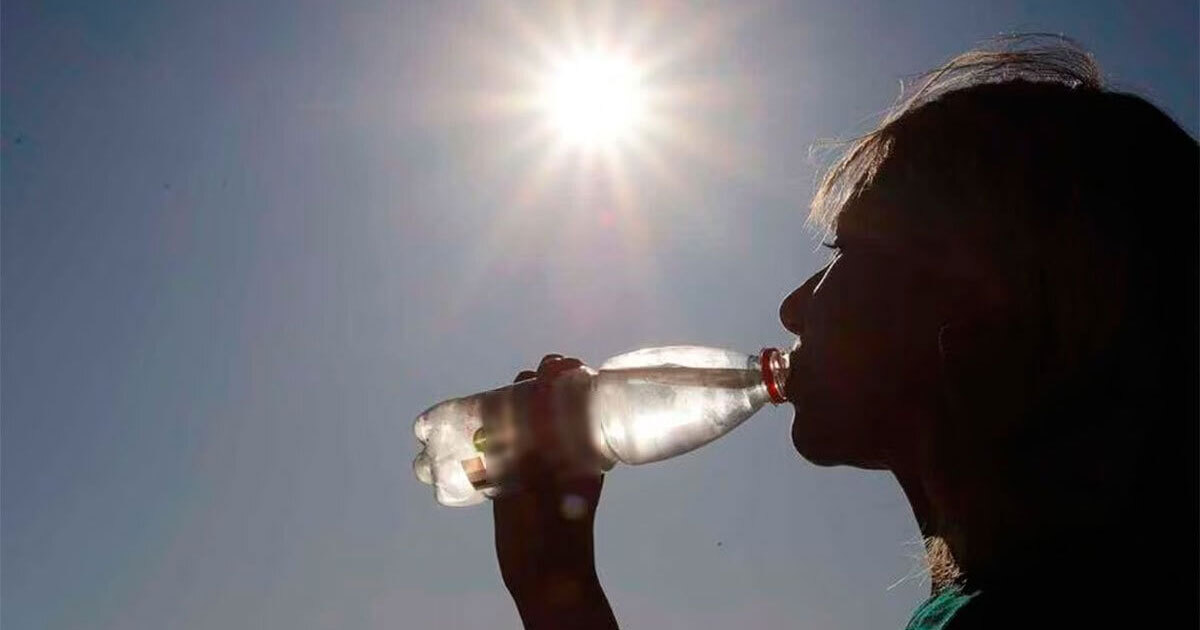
(791, 387)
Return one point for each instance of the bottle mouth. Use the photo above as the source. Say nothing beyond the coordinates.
(774, 365)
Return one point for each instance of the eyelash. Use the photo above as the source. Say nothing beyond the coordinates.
(835, 245)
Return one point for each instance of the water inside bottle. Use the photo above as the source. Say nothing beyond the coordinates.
(649, 414)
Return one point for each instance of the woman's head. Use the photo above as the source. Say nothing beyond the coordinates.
(1015, 284)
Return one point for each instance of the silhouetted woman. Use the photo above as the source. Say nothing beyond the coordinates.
(1009, 324)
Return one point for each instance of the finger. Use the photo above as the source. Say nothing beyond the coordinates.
(549, 369)
(525, 375)
(549, 358)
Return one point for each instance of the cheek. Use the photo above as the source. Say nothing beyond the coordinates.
(853, 354)
(866, 360)
(839, 400)
(857, 400)
(870, 370)
(849, 386)
(866, 329)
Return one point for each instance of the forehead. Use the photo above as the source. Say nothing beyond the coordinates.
(913, 235)
(873, 219)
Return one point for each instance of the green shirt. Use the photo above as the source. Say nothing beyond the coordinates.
(938, 611)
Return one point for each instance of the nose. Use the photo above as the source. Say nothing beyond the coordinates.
(791, 311)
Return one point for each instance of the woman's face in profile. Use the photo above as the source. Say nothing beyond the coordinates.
(867, 369)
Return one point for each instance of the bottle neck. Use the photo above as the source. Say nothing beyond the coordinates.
(775, 368)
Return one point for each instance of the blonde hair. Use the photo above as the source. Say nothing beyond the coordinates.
(1039, 58)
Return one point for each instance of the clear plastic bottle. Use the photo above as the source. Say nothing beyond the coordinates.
(639, 407)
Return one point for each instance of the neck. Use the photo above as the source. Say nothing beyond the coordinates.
(940, 555)
(981, 529)
(973, 524)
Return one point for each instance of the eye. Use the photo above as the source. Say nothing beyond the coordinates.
(835, 245)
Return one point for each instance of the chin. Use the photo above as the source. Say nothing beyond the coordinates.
(812, 444)
(815, 442)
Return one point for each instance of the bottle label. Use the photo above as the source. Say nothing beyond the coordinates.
(477, 473)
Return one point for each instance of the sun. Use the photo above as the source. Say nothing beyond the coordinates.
(590, 129)
(594, 99)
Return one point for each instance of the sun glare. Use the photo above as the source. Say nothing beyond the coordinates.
(594, 100)
(593, 126)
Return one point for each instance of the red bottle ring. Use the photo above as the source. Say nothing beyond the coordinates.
(768, 374)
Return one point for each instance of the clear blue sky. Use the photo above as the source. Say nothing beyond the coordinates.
(245, 243)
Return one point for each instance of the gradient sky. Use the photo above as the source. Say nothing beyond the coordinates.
(245, 243)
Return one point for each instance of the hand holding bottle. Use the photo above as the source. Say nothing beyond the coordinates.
(543, 527)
